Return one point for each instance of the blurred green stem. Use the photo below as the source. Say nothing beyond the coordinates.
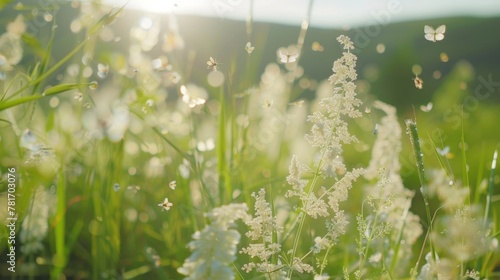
(411, 129)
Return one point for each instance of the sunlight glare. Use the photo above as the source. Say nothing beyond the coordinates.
(156, 6)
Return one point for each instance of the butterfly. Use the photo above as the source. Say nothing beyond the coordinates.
(445, 152)
(426, 108)
(172, 185)
(268, 103)
(286, 57)
(434, 35)
(317, 47)
(419, 83)
(102, 70)
(166, 204)
(249, 48)
(212, 64)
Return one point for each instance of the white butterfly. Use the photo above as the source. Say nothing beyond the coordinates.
(419, 83)
(268, 103)
(166, 204)
(212, 64)
(249, 48)
(286, 57)
(434, 35)
(426, 108)
(443, 152)
(102, 70)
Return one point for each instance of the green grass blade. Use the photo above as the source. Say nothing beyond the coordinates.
(465, 172)
(60, 227)
(225, 191)
(50, 91)
(105, 20)
(491, 184)
(411, 129)
(440, 159)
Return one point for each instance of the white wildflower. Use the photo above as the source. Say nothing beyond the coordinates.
(214, 248)
(262, 227)
(464, 237)
(393, 199)
(301, 267)
(387, 146)
(321, 277)
(329, 132)
(346, 42)
(296, 170)
(320, 244)
(451, 193)
(263, 224)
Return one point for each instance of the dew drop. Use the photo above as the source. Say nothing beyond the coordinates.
(132, 171)
(116, 187)
(215, 78)
(75, 26)
(94, 227)
(54, 102)
(380, 48)
(48, 17)
(444, 57)
(86, 58)
(146, 23)
(87, 72)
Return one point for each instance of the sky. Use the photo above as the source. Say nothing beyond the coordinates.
(325, 13)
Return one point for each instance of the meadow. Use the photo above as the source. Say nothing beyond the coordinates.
(144, 146)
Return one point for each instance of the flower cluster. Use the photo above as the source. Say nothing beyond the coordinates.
(389, 199)
(262, 227)
(329, 132)
(214, 248)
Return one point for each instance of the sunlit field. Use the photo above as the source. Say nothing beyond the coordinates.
(142, 145)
